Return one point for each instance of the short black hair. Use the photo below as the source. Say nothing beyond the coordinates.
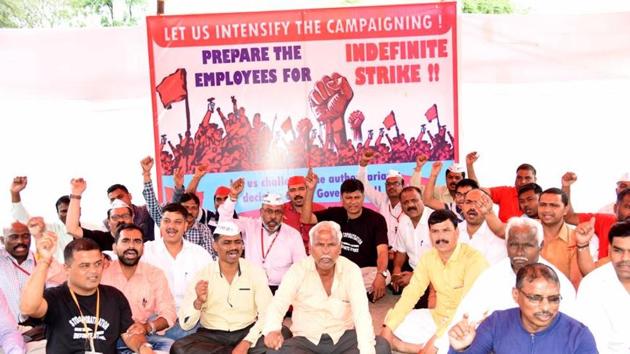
(526, 166)
(442, 215)
(622, 194)
(64, 199)
(535, 271)
(351, 185)
(76, 245)
(529, 187)
(189, 196)
(619, 229)
(175, 208)
(127, 227)
(113, 187)
(467, 182)
(410, 188)
(557, 191)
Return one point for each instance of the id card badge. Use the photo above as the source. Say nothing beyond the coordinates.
(93, 353)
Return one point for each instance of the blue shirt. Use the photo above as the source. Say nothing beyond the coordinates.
(503, 333)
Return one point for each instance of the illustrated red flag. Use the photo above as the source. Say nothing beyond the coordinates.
(431, 113)
(390, 120)
(172, 88)
(287, 125)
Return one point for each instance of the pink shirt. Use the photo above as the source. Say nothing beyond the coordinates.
(147, 291)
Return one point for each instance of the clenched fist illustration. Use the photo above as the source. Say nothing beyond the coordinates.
(329, 99)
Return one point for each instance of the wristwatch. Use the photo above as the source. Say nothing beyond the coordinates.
(384, 273)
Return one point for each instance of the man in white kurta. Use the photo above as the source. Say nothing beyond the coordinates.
(269, 242)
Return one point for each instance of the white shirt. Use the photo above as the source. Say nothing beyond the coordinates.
(275, 252)
(492, 291)
(179, 270)
(381, 201)
(414, 241)
(485, 241)
(604, 306)
(607, 209)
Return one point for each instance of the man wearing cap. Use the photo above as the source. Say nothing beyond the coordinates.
(293, 208)
(196, 232)
(119, 213)
(622, 183)
(364, 238)
(442, 194)
(268, 242)
(141, 215)
(453, 180)
(228, 298)
(204, 216)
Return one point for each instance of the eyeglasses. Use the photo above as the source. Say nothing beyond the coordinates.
(538, 299)
(117, 218)
(393, 184)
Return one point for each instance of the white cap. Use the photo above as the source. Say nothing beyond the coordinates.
(117, 203)
(272, 199)
(624, 177)
(226, 228)
(456, 168)
(393, 174)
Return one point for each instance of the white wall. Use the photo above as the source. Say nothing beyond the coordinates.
(549, 90)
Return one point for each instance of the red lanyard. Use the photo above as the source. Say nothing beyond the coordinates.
(262, 244)
(17, 266)
(394, 216)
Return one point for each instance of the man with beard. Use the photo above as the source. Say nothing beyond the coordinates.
(228, 298)
(81, 315)
(179, 259)
(388, 202)
(602, 222)
(17, 264)
(412, 239)
(19, 213)
(451, 268)
(145, 287)
(293, 208)
(560, 246)
(119, 213)
(536, 326)
(604, 295)
(460, 187)
(270, 244)
(329, 315)
(475, 231)
(492, 290)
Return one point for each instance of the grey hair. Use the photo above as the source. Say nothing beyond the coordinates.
(332, 226)
(518, 221)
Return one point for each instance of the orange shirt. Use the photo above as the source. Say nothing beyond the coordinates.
(561, 251)
(147, 291)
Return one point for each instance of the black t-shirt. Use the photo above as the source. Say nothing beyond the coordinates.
(104, 239)
(360, 235)
(65, 332)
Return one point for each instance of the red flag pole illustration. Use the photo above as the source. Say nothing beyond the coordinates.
(432, 113)
(173, 89)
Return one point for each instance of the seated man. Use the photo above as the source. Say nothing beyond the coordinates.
(451, 268)
(296, 191)
(535, 326)
(11, 341)
(271, 244)
(145, 287)
(492, 290)
(364, 239)
(604, 295)
(326, 318)
(141, 216)
(81, 315)
(230, 310)
(456, 187)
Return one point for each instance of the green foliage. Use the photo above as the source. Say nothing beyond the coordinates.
(488, 7)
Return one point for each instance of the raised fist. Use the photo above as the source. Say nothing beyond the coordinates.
(18, 184)
(366, 157)
(568, 179)
(304, 127)
(237, 187)
(356, 120)
(77, 186)
(147, 164)
(329, 99)
(471, 157)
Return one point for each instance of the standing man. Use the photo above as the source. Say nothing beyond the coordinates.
(228, 298)
(456, 188)
(505, 196)
(622, 183)
(329, 315)
(270, 244)
(364, 239)
(528, 196)
(451, 268)
(442, 194)
(144, 286)
(296, 193)
(119, 213)
(536, 326)
(141, 216)
(80, 315)
(604, 295)
(179, 259)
